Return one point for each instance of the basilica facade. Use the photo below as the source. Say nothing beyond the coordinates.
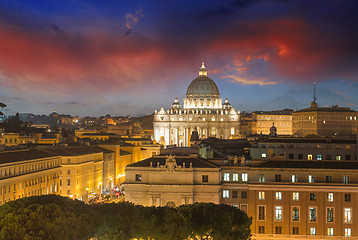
(203, 111)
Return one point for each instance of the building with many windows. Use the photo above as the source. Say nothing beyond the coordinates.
(262, 121)
(30, 172)
(305, 149)
(172, 181)
(324, 121)
(306, 199)
(76, 172)
(310, 199)
(203, 109)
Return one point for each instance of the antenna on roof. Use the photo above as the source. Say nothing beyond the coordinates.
(314, 103)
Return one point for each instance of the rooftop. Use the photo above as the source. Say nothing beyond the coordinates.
(196, 162)
(309, 140)
(326, 109)
(308, 164)
(24, 155)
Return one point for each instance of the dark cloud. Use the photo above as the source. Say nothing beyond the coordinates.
(59, 31)
(72, 103)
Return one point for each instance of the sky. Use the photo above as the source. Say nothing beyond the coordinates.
(92, 58)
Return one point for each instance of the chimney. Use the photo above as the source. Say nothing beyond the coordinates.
(242, 160)
(236, 160)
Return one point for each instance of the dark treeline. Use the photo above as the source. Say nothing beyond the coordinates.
(55, 217)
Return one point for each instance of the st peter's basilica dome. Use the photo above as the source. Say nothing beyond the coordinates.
(202, 86)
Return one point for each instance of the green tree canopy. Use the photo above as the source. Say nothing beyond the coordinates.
(55, 217)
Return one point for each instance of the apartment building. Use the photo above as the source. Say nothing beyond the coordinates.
(76, 172)
(287, 199)
(295, 199)
(305, 149)
(30, 172)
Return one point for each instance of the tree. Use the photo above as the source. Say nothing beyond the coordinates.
(2, 106)
(55, 217)
(218, 221)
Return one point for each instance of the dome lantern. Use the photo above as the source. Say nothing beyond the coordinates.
(202, 70)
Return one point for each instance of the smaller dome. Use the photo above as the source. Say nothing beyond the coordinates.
(176, 104)
(226, 104)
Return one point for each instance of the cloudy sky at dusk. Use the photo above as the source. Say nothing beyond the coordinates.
(91, 58)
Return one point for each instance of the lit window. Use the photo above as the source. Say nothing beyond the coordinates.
(294, 178)
(348, 215)
(329, 231)
(345, 179)
(312, 231)
(295, 196)
(226, 176)
(203, 119)
(347, 232)
(261, 177)
(338, 157)
(261, 195)
(330, 214)
(244, 177)
(330, 197)
(138, 177)
(235, 177)
(313, 214)
(295, 214)
(221, 119)
(190, 119)
(278, 195)
(309, 157)
(311, 178)
(319, 156)
(278, 213)
(263, 155)
(226, 194)
(232, 131)
(213, 119)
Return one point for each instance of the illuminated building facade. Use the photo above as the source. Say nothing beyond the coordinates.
(288, 199)
(30, 172)
(75, 172)
(203, 109)
(324, 121)
(305, 149)
(172, 181)
(263, 121)
(295, 199)
(81, 171)
(9, 139)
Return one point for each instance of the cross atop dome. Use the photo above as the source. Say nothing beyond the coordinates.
(202, 70)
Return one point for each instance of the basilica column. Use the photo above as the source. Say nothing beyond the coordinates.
(177, 136)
